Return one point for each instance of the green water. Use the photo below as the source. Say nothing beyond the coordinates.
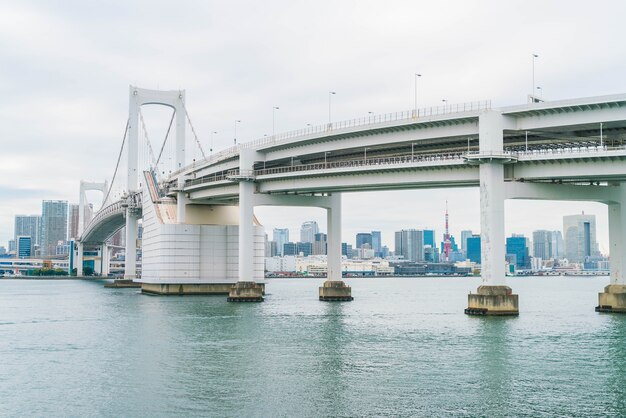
(403, 347)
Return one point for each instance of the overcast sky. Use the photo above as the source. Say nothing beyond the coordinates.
(65, 67)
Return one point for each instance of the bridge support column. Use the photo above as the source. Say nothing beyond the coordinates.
(334, 289)
(130, 258)
(79, 259)
(494, 297)
(104, 258)
(246, 289)
(613, 299)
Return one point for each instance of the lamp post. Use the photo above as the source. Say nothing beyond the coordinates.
(540, 90)
(533, 90)
(212, 133)
(416, 77)
(330, 95)
(236, 122)
(274, 109)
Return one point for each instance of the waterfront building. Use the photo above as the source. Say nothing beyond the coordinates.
(28, 226)
(12, 246)
(24, 247)
(346, 249)
(542, 244)
(281, 237)
(320, 245)
(298, 248)
(53, 225)
(580, 237)
(517, 251)
(410, 244)
(308, 231)
(473, 248)
(558, 245)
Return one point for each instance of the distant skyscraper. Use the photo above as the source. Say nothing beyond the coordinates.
(465, 234)
(363, 238)
(281, 236)
(410, 244)
(558, 245)
(320, 246)
(473, 248)
(517, 246)
(377, 244)
(542, 244)
(53, 225)
(295, 248)
(346, 249)
(429, 238)
(28, 226)
(73, 221)
(580, 237)
(308, 231)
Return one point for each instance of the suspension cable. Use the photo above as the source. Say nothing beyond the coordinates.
(193, 131)
(145, 134)
(165, 140)
(117, 165)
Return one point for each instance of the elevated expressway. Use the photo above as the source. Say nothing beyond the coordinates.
(562, 150)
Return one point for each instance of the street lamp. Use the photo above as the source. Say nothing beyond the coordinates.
(274, 109)
(533, 90)
(212, 133)
(236, 122)
(416, 77)
(330, 94)
(540, 90)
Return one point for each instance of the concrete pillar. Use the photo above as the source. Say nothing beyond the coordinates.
(613, 299)
(181, 207)
(133, 140)
(246, 290)
(493, 297)
(130, 263)
(334, 289)
(104, 258)
(79, 259)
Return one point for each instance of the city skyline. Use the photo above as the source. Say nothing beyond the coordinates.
(68, 125)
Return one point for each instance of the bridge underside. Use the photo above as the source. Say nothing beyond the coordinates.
(105, 230)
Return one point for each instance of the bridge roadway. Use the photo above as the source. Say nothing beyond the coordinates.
(561, 150)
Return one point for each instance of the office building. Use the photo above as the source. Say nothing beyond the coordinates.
(28, 226)
(377, 243)
(429, 238)
(580, 237)
(53, 225)
(281, 237)
(558, 245)
(298, 248)
(410, 244)
(320, 245)
(465, 234)
(517, 246)
(73, 221)
(24, 246)
(308, 231)
(363, 238)
(473, 248)
(542, 244)
(346, 249)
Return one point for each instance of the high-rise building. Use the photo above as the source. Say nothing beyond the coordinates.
(320, 246)
(465, 234)
(24, 246)
(377, 244)
(558, 245)
(73, 221)
(308, 231)
(281, 236)
(518, 247)
(28, 226)
(346, 249)
(363, 238)
(410, 244)
(580, 237)
(53, 225)
(429, 238)
(542, 244)
(473, 248)
(12, 245)
(297, 248)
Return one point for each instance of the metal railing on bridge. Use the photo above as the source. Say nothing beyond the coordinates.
(403, 116)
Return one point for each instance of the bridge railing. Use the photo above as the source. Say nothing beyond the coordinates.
(408, 115)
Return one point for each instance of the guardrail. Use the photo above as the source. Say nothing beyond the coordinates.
(408, 115)
(133, 201)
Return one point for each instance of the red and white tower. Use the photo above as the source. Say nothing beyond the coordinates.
(446, 237)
